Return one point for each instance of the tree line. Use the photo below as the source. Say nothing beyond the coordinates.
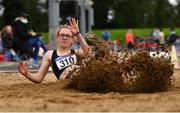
(127, 13)
(136, 13)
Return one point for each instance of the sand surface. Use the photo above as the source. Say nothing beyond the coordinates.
(21, 95)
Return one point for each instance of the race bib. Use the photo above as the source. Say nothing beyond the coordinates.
(65, 61)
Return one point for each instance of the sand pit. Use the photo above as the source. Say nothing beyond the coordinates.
(104, 72)
(19, 94)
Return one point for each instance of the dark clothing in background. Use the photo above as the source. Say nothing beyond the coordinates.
(172, 38)
(20, 44)
(7, 40)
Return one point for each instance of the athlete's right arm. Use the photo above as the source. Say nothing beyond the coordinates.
(39, 76)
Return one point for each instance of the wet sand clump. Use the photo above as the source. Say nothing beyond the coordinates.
(147, 74)
(108, 71)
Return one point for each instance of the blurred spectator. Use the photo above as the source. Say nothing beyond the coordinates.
(161, 38)
(26, 41)
(36, 38)
(173, 36)
(156, 35)
(1, 46)
(20, 31)
(34, 43)
(177, 42)
(117, 45)
(129, 39)
(106, 35)
(7, 37)
(7, 42)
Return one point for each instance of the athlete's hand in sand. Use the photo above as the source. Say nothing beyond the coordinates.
(23, 67)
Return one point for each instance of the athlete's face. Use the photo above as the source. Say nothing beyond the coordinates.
(65, 38)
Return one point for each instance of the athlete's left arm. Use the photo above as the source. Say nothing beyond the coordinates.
(75, 30)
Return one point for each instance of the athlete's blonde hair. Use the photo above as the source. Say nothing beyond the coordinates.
(65, 26)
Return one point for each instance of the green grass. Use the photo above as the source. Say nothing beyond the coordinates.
(45, 36)
(120, 33)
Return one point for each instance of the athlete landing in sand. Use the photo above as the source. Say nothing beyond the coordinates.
(63, 59)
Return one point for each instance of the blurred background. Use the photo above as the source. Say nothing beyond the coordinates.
(111, 14)
(115, 15)
(145, 23)
(107, 13)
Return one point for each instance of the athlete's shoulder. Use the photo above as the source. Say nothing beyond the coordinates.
(49, 51)
(48, 54)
